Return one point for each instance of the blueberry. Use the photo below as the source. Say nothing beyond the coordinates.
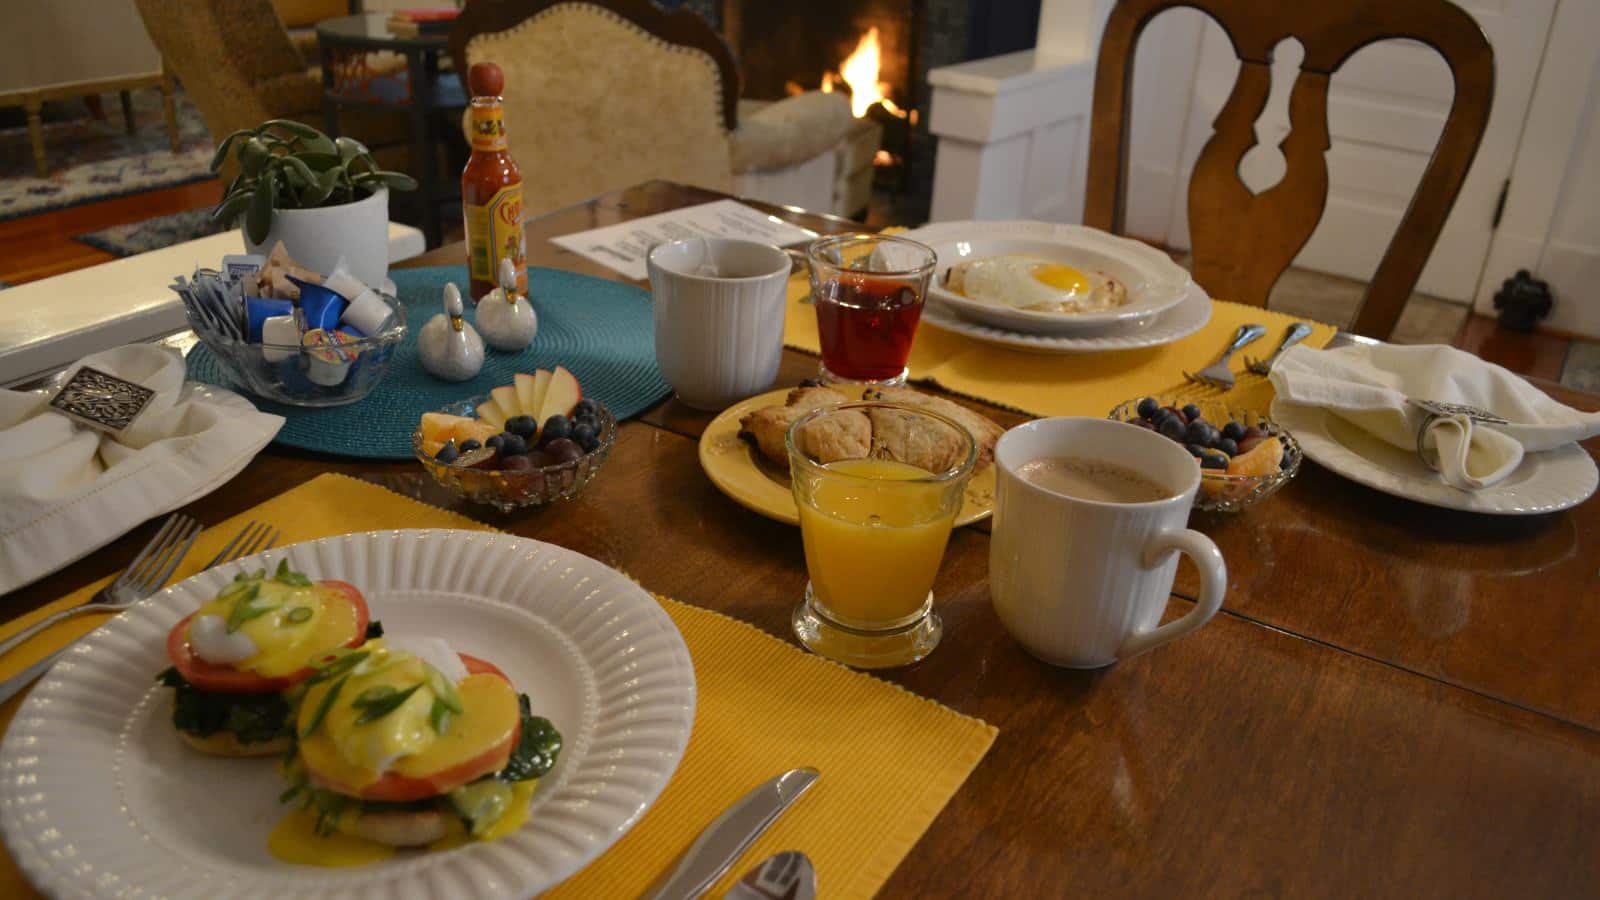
(1173, 410)
(1191, 412)
(469, 445)
(512, 445)
(585, 407)
(1199, 432)
(522, 426)
(448, 453)
(585, 436)
(1233, 431)
(1228, 446)
(1196, 450)
(1284, 463)
(1172, 427)
(1148, 407)
(555, 428)
(1213, 461)
(493, 443)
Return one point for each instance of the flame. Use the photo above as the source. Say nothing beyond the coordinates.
(860, 71)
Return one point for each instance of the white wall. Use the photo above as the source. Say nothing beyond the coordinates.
(1552, 217)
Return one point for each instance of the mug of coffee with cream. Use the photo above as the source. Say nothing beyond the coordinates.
(1090, 516)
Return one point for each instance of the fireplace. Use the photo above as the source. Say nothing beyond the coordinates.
(784, 48)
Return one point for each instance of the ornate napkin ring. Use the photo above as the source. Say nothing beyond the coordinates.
(1437, 410)
(101, 400)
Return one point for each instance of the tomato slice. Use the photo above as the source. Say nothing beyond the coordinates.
(225, 679)
(396, 788)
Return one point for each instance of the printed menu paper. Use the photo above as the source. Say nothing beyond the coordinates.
(623, 247)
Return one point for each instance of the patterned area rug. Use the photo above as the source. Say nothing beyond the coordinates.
(153, 234)
(94, 160)
(1581, 371)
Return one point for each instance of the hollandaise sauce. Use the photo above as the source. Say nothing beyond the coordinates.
(272, 626)
(296, 840)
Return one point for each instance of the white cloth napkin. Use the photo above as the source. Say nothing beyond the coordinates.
(1369, 387)
(66, 489)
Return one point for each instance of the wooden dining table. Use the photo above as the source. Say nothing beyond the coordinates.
(1395, 700)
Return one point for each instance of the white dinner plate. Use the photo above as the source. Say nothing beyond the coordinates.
(1154, 281)
(99, 797)
(1178, 322)
(1545, 482)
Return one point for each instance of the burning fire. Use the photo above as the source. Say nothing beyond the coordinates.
(860, 72)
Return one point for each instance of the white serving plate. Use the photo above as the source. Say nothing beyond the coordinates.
(1178, 322)
(1545, 482)
(99, 797)
(1155, 283)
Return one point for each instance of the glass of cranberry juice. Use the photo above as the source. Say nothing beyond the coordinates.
(868, 291)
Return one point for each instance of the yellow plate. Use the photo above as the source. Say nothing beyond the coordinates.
(740, 471)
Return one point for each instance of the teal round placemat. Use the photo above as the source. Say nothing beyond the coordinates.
(604, 331)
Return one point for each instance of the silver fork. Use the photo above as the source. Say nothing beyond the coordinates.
(1218, 374)
(141, 579)
(1297, 332)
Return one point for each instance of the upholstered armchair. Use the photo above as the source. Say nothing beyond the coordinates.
(602, 94)
(239, 67)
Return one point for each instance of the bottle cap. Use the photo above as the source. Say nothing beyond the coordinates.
(486, 80)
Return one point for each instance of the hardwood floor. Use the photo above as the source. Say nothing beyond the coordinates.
(42, 245)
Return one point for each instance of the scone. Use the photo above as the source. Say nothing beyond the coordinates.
(984, 432)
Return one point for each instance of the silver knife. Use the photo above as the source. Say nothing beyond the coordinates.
(729, 835)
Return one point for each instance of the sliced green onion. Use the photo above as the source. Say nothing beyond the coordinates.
(377, 709)
(439, 716)
(442, 689)
(338, 666)
(322, 709)
(245, 609)
(298, 615)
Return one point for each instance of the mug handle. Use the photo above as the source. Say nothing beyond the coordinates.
(1213, 583)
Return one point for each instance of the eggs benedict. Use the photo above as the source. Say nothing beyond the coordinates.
(234, 656)
(403, 743)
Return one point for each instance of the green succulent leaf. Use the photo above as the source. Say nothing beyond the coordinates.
(232, 206)
(254, 155)
(349, 149)
(222, 148)
(399, 181)
(298, 129)
(258, 217)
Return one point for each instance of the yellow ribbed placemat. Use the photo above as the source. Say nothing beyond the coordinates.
(1077, 385)
(889, 759)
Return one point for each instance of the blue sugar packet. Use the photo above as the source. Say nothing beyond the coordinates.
(322, 306)
(260, 309)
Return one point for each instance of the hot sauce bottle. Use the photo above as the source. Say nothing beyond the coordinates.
(491, 189)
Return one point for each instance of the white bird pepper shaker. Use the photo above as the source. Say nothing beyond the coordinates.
(450, 348)
(506, 317)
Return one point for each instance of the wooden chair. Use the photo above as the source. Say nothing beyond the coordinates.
(1242, 241)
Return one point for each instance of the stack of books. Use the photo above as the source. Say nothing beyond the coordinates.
(422, 21)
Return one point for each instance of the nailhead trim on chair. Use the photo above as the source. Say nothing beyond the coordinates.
(483, 40)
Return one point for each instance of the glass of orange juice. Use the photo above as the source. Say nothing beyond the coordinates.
(878, 486)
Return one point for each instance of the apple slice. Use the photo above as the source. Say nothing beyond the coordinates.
(505, 396)
(527, 397)
(563, 395)
(490, 412)
(541, 386)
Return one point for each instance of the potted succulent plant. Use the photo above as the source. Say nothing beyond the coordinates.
(325, 198)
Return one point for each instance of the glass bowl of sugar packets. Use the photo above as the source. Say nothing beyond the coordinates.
(291, 335)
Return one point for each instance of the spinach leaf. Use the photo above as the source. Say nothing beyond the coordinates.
(374, 629)
(253, 718)
(537, 748)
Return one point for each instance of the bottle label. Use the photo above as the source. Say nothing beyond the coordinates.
(488, 125)
(494, 232)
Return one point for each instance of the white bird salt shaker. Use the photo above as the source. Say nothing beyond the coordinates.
(450, 348)
(506, 317)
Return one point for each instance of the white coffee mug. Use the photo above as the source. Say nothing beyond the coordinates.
(1083, 583)
(719, 307)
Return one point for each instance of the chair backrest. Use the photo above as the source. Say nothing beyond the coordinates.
(1243, 241)
(602, 94)
(235, 60)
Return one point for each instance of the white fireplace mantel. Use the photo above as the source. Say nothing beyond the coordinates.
(1013, 130)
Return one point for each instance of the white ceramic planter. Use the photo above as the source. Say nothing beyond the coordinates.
(317, 238)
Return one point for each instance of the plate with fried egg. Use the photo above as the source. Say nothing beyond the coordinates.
(1049, 278)
(518, 710)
